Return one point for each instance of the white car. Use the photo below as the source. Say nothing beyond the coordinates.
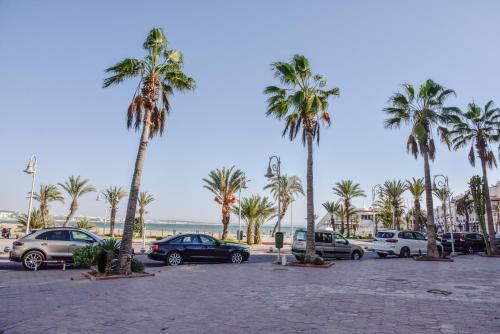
(401, 243)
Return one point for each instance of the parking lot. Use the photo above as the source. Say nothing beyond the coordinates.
(373, 295)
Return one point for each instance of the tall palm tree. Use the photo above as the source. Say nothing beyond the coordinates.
(394, 190)
(302, 102)
(347, 190)
(385, 211)
(266, 211)
(332, 208)
(224, 183)
(285, 188)
(342, 213)
(465, 206)
(48, 193)
(144, 200)
(422, 112)
(479, 128)
(76, 188)
(442, 195)
(417, 189)
(159, 73)
(113, 196)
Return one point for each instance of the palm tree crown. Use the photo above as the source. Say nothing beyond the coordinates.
(114, 195)
(347, 190)
(76, 188)
(144, 200)
(48, 193)
(255, 210)
(159, 73)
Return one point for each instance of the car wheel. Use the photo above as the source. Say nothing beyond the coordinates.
(174, 259)
(470, 250)
(236, 257)
(405, 252)
(382, 255)
(33, 260)
(356, 255)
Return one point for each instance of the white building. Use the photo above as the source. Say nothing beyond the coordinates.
(5, 214)
(361, 222)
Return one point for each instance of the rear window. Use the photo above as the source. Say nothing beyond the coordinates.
(324, 237)
(300, 236)
(57, 235)
(384, 235)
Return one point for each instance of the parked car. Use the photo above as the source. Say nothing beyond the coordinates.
(50, 244)
(177, 249)
(464, 242)
(329, 245)
(401, 243)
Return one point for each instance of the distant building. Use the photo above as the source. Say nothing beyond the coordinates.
(361, 222)
(5, 214)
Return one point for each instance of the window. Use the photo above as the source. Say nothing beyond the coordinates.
(405, 235)
(340, 239)
(418, 236)
(324, 237)
(59, 235)
(189, 239)
(207, 240)
(81, 237)
(384, 235)
(300, 236)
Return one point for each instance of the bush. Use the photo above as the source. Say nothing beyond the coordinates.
(159, 238)
(300, 257)
(318, 261)
(136, 266)
(87, 256)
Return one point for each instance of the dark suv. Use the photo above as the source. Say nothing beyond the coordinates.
(464, 242)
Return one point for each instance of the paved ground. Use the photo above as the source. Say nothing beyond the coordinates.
(368, 296)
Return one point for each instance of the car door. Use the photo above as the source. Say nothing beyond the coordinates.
(479, 244)
(191, 247)
(406, 240)
(420, 243)
(324, 244)
(341, 247)
(79, 239)
(55, 244)
(209, 249)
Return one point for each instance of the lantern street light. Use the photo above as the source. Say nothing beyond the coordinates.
(242, 185)
(274, 170)
(31, 169)
(442, 182)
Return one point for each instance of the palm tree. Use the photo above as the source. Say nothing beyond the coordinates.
(84, 224)
(394, 190)
(347, 190)
(478, 127)
(385, 212)
(342, 213)
(36, 220)
(159, 73)
(266, 211)
(144, 200)
(421, 112)
(442, 195)
(417, 189)
(332, 208)
(113, 196)
(76, 188)
(285, 188)
(224, 183)
(465, 206)
(302, 102)
(48, 193)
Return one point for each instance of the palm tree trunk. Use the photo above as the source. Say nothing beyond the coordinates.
(128, 228)
(225, 224)
(416, 213)
(310, 244)
(332, 222)
(342, 227)
(489, 211)
(72, 210)
(431, 227)
(249, 232)
(256, 237)
(141, 219)
(467, 225)
(112, 222)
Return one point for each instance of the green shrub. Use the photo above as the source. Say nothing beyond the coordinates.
(136, 266)
(318, 261)
(300, 257)
(159, 238)
(87, 256)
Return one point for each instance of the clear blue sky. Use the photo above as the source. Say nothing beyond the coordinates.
(53, 56)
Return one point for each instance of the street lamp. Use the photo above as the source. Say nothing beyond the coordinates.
(99, 198)
(243, 184)
(31, 169)
(274, 169)
(442, 182)
(375, 190)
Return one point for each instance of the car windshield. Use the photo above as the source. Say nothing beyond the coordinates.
(384, 235)
(300, 236)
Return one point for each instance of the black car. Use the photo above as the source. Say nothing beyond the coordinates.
(196, 248)
(464, 242)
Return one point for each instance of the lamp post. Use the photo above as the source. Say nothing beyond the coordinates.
(442, 182)
(31, 169)
(375, 189)
(98, 199)
(243, 184)
(274, 169)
